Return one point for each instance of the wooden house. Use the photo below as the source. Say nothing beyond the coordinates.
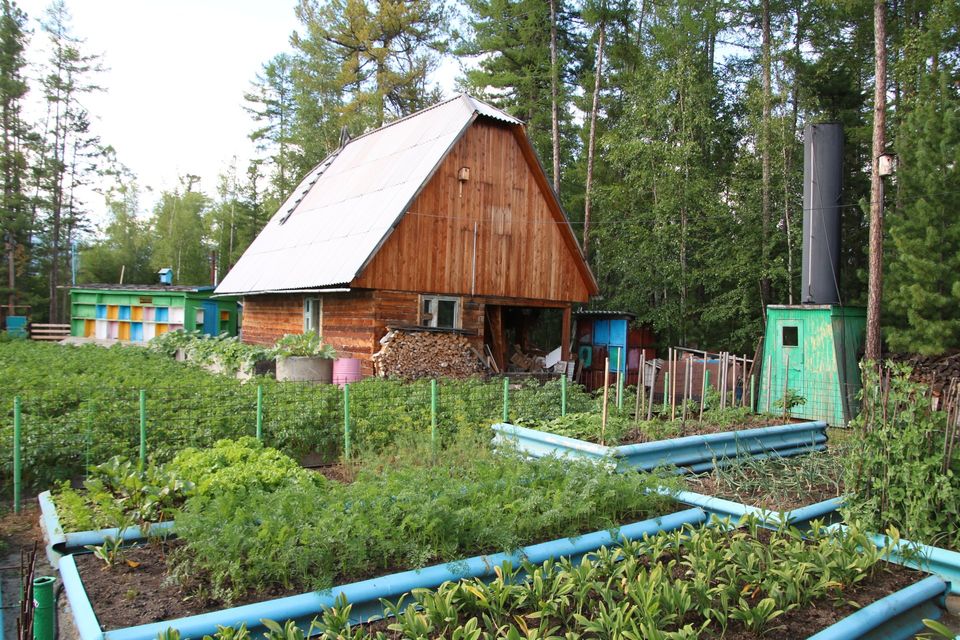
(443, 219)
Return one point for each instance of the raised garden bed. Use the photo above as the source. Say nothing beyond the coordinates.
(796, 490)
(365, 596)
(695, 454)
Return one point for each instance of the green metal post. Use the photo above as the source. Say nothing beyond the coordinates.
(346, 421)
(666, 390)
(706, 385)
(16, 454)
(143, 428)
(43, 612)
(260, 412)
(506, 399)
(433, 413)
(563, 395)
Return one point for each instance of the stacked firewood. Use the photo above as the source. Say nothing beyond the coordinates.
(934, 371)
(422, 354)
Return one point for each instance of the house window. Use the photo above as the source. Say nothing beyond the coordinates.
(791, 337)
(312, 315)
(440, 312)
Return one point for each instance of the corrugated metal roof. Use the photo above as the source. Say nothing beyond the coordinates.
(344, 208)
(181, 288)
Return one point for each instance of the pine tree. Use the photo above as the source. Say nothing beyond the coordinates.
(923, 272)
(14, 206)
(181, 231)
(68, 149)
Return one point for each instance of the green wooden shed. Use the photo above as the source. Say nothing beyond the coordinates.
(813, 351)
(138, 313)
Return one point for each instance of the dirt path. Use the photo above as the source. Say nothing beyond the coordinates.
(20, 532)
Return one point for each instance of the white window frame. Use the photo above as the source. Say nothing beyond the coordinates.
(313, 315)
(434, 304)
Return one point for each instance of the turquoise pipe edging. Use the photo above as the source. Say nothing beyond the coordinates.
(940, 562)
(700, 453)
(899, 615)
(735, 510)
(364, 596)
(60, 542)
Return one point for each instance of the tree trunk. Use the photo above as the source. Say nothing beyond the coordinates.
(591, 143)
(875, 280)
(554, 107)
(765, 285)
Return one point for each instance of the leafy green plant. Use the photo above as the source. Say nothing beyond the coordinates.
(700, 582)
(303, 345)
(402, 510)
(790, 401)
(900, 468)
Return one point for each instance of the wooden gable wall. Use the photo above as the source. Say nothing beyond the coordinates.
(501, 211)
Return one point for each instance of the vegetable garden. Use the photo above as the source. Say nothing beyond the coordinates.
(474, 541)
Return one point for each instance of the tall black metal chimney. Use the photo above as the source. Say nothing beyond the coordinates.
(822, 181)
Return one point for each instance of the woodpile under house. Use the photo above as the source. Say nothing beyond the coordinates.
(433, 245)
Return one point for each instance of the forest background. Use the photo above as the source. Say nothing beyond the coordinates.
(671, 130)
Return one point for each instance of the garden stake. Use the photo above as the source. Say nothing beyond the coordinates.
(674, 358)
(620, 370)
(703, 387)
(753, 398)
(606, 392)
(636, 409)
(666, 390)
(506, 399)
(563, 394)
(743, 382)
(143, 428)
(786, 379)
(260, 412)
(346, 420)
(433, 414)
(686, 385)
(769, 373)
(653, 383)
(16, 454)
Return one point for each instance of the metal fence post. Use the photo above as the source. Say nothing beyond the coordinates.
(346, 420)
(260, 412)
(563, 394)
(433, 413)
(753, 399)
(506, 399)
(143, 428)
(16, 455)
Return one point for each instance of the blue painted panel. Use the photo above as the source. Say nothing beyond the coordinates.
(211, 318)
(163, 314)
(101, 312)
(601, 332)
(136, 332)
(125, 312)
(618, 338)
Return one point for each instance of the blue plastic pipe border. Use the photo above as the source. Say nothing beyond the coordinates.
(897, 616)
(727, 508)
(60, 542)
(364, 596)
(940, 562)
(695, 453)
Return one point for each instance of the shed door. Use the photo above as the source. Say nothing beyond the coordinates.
(211, 318)
(790, 334)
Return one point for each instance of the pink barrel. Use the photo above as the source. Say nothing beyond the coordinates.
(346, 370)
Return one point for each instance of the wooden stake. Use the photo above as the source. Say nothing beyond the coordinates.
(640, 394)
(653, 384)
(606, 393)
(703, 389)
(769, 385)
(743, 382)
(673, 385)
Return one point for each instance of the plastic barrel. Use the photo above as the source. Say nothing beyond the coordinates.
(346, 370)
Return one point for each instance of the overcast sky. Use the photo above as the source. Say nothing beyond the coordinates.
(176, 74)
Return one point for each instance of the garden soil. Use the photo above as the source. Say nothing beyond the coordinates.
(711, 486)
(18, 532)
(693, 428)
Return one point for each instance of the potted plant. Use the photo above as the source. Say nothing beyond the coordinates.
(303, 357)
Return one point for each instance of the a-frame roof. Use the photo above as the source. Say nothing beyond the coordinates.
(346, 207)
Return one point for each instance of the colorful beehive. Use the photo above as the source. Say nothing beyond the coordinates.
(811, 352)
(137, 313)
